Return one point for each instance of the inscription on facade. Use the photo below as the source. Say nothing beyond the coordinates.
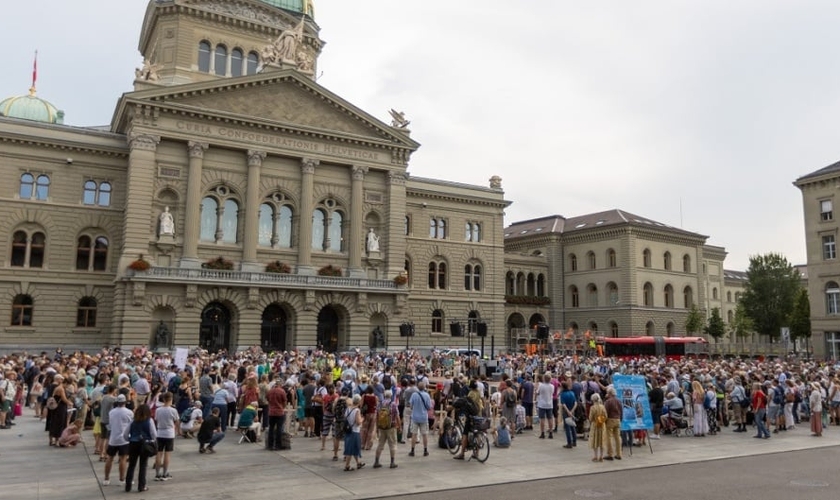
(275, 140)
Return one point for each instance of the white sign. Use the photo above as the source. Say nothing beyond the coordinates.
(181, 357)
(785, 334)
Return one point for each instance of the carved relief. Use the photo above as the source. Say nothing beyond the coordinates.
(244, 12)
(138, 293)
(191, 296)
(197, 149)
(143, 142)
(307, 165)
(255, 158)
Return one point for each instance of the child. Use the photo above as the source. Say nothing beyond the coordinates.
(71, 436)
(520, 417)
(501, 434)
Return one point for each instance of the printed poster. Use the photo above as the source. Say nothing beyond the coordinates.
(631, 390)
(181, 357)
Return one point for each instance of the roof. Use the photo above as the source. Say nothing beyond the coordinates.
(562, 225)
(31, 107)
(831, 169)
(734, 275)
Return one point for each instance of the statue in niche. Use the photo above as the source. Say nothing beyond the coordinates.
(167, 223)
(162, 336)
(372, 241)
(377, 338)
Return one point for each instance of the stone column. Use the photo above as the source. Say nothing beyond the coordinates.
(142, 168)
(192, 218)
(395, 251)
(307, 169)
(356, 223)
(252, 211)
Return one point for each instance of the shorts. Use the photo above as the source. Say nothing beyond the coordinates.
(529, 409)
(308, 413)
(121, 450)
(546, 413)
(165, 444)
(656, 413)
(835, 404)
(7, 406)
(106, 430)
(773, 412)
(421, 427)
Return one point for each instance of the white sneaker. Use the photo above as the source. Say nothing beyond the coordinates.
(120, 483)
(106, 482)
(654, 436)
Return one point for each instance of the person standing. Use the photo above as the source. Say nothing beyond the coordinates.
(526, 395)
(816, 403)
(142, 429)
(276, 416)
(353, 438)
(120, 419)
(613, 429)
(205, 392)
(568, 405)
(597, 427)
(420, 404)
(369, 406)
(105, 407)
(220, 401)
(759, 406)
(388, 429)
(656, 398)
(168, 423)
(738, 396)
(545, 406)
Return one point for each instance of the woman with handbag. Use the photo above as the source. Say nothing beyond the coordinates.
(142, 439)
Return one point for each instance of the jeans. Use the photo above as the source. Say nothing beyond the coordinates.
(275, 431)
(571, 436)
(223, 414)
(206, 403)
(217, 436)
(760, 425)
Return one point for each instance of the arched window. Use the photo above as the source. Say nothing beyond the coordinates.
(335, 235)
(89, 195)
(204, 56)
(611, 259)
(100, 254)
(666, 260)
(520, 284)
(729, 296)
(532, 285)
(510, 283)
(686, 263)
(649, 329)
(83, 252)
(437, 228)
(91, 258)
(592, 291)
(230, 221)
(20, 245)
(730, 316)
(592, 260)
(253, 63)
(266, 225)
(97, 194)
(575, 296)
(328, 227)
(86, 313)
(318, 233)
(42, 188)
(472, 277)
(714, 293)
(472, 232)
(22, 309)
(832, 298)
(688, 297)
(437, 275)
(27, 186)
(612, 294)
(669, 296)
(646, 258)
(573, 262)
(221, 60)
(541, 285)
(236, 60)
(209, 219)
(648, 295)
(613, 329)
(104, 199)
(37, 247)
(669, 329)
(437, 321)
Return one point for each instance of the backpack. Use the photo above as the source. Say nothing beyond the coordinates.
(466, 405)
(186, 416)
(778, 398)
(383, 416)
(174, 384)
(707, 402)
(386, 381)
(510, 398)
(340, 408)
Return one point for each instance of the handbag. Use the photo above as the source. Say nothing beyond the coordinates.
(18, 410)
(569, 421)
(52, 404)
(149, 448)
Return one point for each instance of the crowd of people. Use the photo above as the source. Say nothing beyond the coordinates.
(360, 402)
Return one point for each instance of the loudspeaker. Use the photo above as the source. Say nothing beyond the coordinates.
(542, 332)
(481, 329)
(456, 329)
(406, 330)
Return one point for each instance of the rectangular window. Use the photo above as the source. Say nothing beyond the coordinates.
(826, 210)
(829, 247)
(832, 302)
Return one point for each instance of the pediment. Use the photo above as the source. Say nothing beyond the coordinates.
(285, 98)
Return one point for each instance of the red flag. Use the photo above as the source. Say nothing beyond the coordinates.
(35, 70)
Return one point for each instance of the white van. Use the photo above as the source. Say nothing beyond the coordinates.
(462, 352)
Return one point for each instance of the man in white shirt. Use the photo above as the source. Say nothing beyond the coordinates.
(120, 419)
(168, 423)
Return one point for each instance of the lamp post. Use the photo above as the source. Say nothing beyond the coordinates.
(407, 331)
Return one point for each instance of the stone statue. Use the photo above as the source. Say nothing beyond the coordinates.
(161, 336)
(495, 182)
(284, 49)
(148, 72)
(378, 338)
(167, 223)
(398, 119)
(372, 241)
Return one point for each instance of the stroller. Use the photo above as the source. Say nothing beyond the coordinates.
(675, 423)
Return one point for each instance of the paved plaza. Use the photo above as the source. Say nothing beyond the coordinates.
(38, 471)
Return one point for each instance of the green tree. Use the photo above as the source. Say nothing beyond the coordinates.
(694, 321)
(800, 318)
(770, 292)
(741, 326)
(716, 327)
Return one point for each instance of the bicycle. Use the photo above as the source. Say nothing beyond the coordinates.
(477, 441)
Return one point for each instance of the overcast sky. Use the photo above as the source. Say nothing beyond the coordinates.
(695, 114)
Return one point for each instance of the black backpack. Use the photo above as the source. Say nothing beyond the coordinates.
(466, 405)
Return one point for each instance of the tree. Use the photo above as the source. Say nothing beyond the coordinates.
(770, 292)
(800, 318)
(694, 321)
(741, 326)
(716, 327)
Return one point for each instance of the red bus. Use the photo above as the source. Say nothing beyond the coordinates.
(670, 347)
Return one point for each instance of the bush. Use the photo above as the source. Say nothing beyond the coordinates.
(140, 264)
(329, 270)
(219, 263)
(278, 267)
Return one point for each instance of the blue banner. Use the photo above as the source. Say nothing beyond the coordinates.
(631, 390)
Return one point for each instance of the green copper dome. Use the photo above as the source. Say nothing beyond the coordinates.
(31, 107)
(302, 6)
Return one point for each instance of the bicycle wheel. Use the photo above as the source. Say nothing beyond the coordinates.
(452, 437)
(481, 448)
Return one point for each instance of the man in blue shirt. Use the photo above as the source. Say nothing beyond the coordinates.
(420, 404)
(568, 404)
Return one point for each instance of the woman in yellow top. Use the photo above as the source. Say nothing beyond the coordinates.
(597, 427)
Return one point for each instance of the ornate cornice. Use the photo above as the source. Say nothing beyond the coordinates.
(396, 178)
(31, 141)
(143, 142)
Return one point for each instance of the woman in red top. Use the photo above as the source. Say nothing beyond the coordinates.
(369, 404)
(759, 407)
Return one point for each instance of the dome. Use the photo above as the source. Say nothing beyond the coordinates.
(31, 107)
(301, 6)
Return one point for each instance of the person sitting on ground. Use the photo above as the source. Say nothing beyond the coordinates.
(501, 434)
(71, 435)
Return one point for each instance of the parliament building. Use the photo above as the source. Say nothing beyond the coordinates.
(234, 201)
